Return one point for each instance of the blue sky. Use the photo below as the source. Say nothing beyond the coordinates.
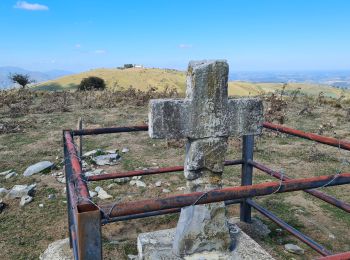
(253, 35)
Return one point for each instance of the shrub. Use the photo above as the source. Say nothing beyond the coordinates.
(21, 79)
(92, 83)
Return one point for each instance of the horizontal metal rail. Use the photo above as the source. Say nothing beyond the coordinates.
(115, 175)
(179, 201)
(110, 130)
(155, 213)
(310, 136)
(340, 256)
(320, 195)
(307, 240)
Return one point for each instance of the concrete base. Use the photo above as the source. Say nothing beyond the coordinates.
(158, 246)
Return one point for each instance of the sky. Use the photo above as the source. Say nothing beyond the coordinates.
(253, 35)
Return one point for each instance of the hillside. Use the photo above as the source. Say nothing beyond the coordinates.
(143, 79)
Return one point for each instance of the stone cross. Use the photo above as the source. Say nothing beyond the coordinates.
(206, 118)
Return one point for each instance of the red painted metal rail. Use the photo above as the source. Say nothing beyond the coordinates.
(325, 197)
(310, 136)
(131, 208)
(115, 175)
(340, 256)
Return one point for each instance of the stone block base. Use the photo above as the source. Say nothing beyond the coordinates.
(158, 245)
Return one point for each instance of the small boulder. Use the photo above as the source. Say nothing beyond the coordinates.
(122, 180)
(92, 193)
(51, 197)
(41, 205)
(25, 200)
(5, 172)
(125, 150)
(103, 195)
(38, 167)
(138, 183)
(166, 190)
(58, 250)
(294, 249)
(107, 159)
(158, 183)
(93, 153)
(3, 192)
(10, 175)
(136, 178)
(18, 191)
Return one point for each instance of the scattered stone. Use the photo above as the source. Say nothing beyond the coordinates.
(92, 193)
(181, 188)
(112, 151)
(125, 150)
(138, 183)
(97, 189)
(93, 153)
(331, 236)
(51, 197)
(294, 249)
(166, 190)
(61, 179)
(25, 200)
(260, 228)
(3, 192)
(41, 205)
(158, 183)
(122, 180)
(58, 250)
(102, 194)
(10, 175)
(133, 257)
(38, 167)
(107, 159)
(136, 178)
(144, 169)
(155, 164)
(110, 185)
(94, 172)
(19, 191)
(5, 172)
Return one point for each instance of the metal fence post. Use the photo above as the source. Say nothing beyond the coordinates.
(246, 175)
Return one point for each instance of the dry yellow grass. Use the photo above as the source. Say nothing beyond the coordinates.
(143, 79)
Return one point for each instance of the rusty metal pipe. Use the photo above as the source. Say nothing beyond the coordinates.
(155, 213)
(110, 130)
(310, 136)
(80, 187)
(115, 175)
(178, 201)
(318, 194)
(307, 240)
(340, 256)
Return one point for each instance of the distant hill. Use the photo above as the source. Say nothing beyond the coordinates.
(143, 79)
(5, 82)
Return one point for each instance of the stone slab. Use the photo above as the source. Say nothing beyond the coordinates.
(158, 245)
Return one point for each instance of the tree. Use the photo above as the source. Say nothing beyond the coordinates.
(128, 66)
(92, 83)
(21, 79)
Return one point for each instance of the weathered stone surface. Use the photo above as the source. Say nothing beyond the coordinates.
(5, 172)
(19, 191)
(138, 183)
(198, 225)
(38, 167)
(3, 192)
(58, 250)
(102, 194)
(25, 200)
(122, 180)
(294, 249)
(107, 159)
(158, 246)
(10, 175)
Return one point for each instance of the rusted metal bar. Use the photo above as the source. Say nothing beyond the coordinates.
(116, 175)
(246, 175)
(318, 194)
(310, 136)
(340, 256)
(307, 240)
(131, 208)
(80, 186)
(110, 130)
(155, 213)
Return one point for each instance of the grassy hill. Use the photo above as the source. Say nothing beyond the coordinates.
(143, 79)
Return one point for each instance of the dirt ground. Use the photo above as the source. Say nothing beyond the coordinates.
(25, 232)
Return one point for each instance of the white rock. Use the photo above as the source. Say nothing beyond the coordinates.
(166, 190)
(294, 249)
(3, 192)
(125, 150)
(98, 188)
(58, 250)
(19, 191)
(154, 164)
(41, 205)
(158, 183)
(51, 197)
(38, 167)
(111, 151)
(92, 193)
(25, 200)
(107, 159)
(92, 153)
(122, 180)
(181, 188)
(10, 175)
(331, 236)
(94, 172)
(5, 173)
(103, 195)
(110, 185)
(136, 178)
(132, 182)
(61, 179)
(140, 184)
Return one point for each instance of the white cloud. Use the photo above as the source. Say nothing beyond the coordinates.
(100, 51)
(78, 46)
(31, 7)
(185, 46)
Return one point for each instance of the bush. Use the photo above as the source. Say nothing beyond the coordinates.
(22, 79)
(92, 83)
(128, 66)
